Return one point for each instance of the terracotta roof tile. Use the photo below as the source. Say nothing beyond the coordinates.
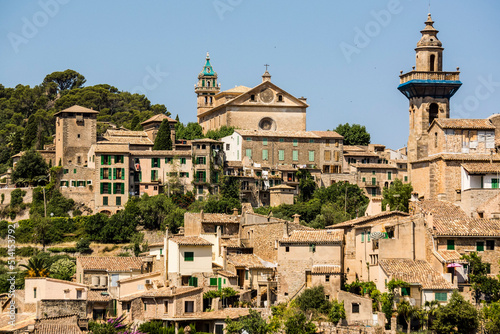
(450, 256)
(326, 269)
(128, 279)
(106, 147)
(190, 241)
(482, 168)
(226, 273)
(220, 218)
(110, 263)
(161, 153)
(380, 217)
(214, 315)
(316, 237)
(48, 328)
(416, 272)
(124, 136)
(246, 260)
(159, 118)
(375, 166)
(78, 109)
(461, 157)
(328, 134)
(272, 134)
(450, 123)
(98, 296)
(162, 292)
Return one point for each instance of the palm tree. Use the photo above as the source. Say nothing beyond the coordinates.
(408, 312)
(36, 267)
(431, 308)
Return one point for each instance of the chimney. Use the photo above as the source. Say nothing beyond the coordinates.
(201, 214)
(296, 218)
(224, 258)
(235, 211)
(430, 221)
(285, 229)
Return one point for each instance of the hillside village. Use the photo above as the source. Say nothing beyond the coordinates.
(452, 165)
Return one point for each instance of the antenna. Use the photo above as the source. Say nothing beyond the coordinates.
(429, 6)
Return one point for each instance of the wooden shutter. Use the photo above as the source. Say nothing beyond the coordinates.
(122, 188)
(102, 188)
(114, 173)
(102, 172)
(123, 173)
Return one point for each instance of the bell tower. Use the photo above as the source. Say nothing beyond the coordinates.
(206, 87)
(428, 89)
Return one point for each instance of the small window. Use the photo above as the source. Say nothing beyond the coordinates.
(295, 142)
(213, 281)
(450, 244)
(281, 155)
(287, 249)
(405, 292)
(312, 248)
(480, 246)
(311, 155)
(327, 278)
(34, 292)
(252, 97)
(105, 200)
(355, 308)
(118, 200)
(189, 306)
(490, 244)
(78, 136)
(189, 256)
(280, 98)
(282, 140)
(165, 310)
(441, 296)
(311, 141)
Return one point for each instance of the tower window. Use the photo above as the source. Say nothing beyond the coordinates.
(280, 98)
(206, 99)
(432, 61)
(208, 83)
(433, 112)
(211, 100)
(435, 139)
(252, 97)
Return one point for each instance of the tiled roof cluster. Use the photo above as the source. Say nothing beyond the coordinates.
(98, 296)
(78, 109)
(450, 256)
(449, 219)
(191, 241)
(48, 328)
(482, 168)
(125, 136)
(246, 260)
(170, 153)
(380, 217)
(450, 123)
(162, 292)
(110, 263)
(328, 134)
(415, 272)
(316, 237)
(461, 157)
(219, 218)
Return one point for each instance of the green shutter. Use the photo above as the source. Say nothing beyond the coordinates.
(389, 175)
(362, 236)
(450, 244)
(480, 246)
(152, 162)
(123, 173)
(109, 160)
(102, 188)
(281, 155)
(441, 296)
(122, 188)
(188, 256)
(248, 153)
(311, 155)
(295, 155)
(265, 154)
(213, 281)
(114, 188)
(264, 141)
(102, 173)
(102, 159)
(114, 173)
(140, 176)
(295, 142)
(152, 175)
(159, 162)
(219, 283)
(246, 274)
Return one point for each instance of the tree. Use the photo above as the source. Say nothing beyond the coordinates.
(297, 323)
(30, 168)
(348, 197)
(63, 269)
(307, 186)
(492, 317)
(163, 141)
(313, 299)
(353, 135)
(41, 226)
(37, 267)
(397, 196)
(190, 131)
(481, 282)
(252, 324)
(30, 132)
(458, 316)
(337, 312)
(229, 187)
(219, 133)
(408, 312)
(68, 79)
(83, 246)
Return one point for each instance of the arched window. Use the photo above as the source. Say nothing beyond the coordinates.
(432, 61)
(433, 112)
(208, 83)
(210, 100)
(206, 99)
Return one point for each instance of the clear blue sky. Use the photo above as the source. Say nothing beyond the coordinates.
(120, 42)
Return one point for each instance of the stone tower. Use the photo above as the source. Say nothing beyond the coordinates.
(429, 90)
(206, 87)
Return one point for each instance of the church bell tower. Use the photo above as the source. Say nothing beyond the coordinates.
(207, 87)
(428, 89)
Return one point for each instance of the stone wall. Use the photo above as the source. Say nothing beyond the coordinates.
(487, 199)
(57, 308)
(364, 314)
(28, 198)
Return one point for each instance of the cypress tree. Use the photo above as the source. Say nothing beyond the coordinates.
(163, 140)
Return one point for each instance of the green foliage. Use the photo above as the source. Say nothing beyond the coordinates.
(213, 205)
(313, 299)
(113, 326)
(393, 284)
(297, 323)
(353, 135)
(397, 196)
(407, 312)
(481, 282)
(65, 80)
(157, 212)
(63, 269)
(83, 246)
(458, 316)
(156, 327)
(492, 317)
(37, 266)
(190, 131)
(223, 293)
(30, 168)
(336, 312)
(219, 133)
(183, 201)
(16, 197)
(163, 140)
(307, 185)
(330, 214)
(252, 324)
(230, 187)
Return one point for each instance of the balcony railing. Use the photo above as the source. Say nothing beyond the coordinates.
(200, 179)
(372, 184)
(424, 75)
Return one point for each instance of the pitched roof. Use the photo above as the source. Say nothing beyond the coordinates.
(158, 118)
(326, 269)
(375, 166)
(98, 296)
(78, 109)
(450, 123)
(450, 256)
(133, 278)
(107, 147)
(449, 219)
(226, 273)
(415, 272)
(161, 153)
(162, 292)
(481, 168)
(126, 136)
(380, 217)
(219, 218)
(316, 237)
(110, 263)
(461, 157)
(191, 241)
(327, 134)
(234, 313)
(237, 89)
(246, 260)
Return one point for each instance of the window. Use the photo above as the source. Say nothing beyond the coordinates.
(295, 142)
(105, 200)
(405, 292)
(74, 171)
(406, 178)
(189, 256)
(311, 155)
(441, 296)
(494, 183)
(281, 155)
(295, 155)
(282, 140)
(193, 281)
(249, 138)
(450, 244)
(246, 274)
(155, 162)
(119, 174)
(118, 200)
(327, 278)
(213, 281)
(287, 249)
(105, 160)
(490, 244)
(252, 97)
(78, 160)
(34, 292)
(189, 306)
(280, 98)
(165, 310)
(248, 153)
(312, 248)
(219, 329)
(106, 188)
(355, 308)
(201, 160)
(118, 159)
(328, 155)
(154, 175)
(389, 175)
(264, 141)
(362, 236)
(265, 155)
(65, 171)
(480, 246)
(183, 161)
(169, 160)
(311, 141)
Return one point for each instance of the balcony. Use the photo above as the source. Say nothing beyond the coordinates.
(200, 180)
(371, 184)
(424, 75)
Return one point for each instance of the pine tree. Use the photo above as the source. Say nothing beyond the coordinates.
(163, 140)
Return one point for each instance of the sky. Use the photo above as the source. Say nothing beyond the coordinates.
(343, 56)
